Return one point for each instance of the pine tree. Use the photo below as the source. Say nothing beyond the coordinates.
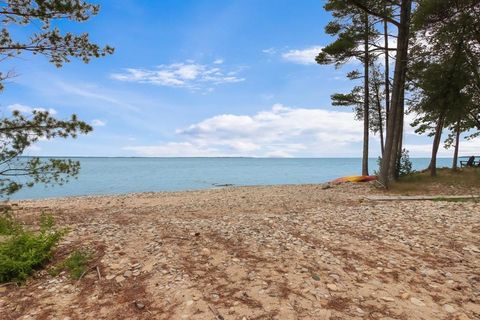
(21, 131)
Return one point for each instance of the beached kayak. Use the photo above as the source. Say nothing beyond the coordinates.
(355, 179)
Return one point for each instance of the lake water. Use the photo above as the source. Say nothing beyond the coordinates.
(124, 175)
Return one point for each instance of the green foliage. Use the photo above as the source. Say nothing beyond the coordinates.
(8, 224)
(49, 41)
(26, 250)
(404, 165)
(76, 264)
(21, 130)
(18, 133)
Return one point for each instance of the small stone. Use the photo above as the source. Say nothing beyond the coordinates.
(315, 277)
(127, 274)
(110, 277)
(119, 279)
(236, 260)
(148, 267)
(139, 305)
(189, 303)
(215, 297)
(448, 308)
(332, 286)
(136, 273)
(462, 316)
(206, 251)
(405, 295)
(388, 299)
(417, 302)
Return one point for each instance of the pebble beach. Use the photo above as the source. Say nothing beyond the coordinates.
(274, 252)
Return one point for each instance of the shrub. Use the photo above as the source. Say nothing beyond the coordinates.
(8, 225)
(76, 264)
(404, 165)
(25, 250)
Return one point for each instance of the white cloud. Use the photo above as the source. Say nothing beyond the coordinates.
(98, 123)
(188, 75)
(269, 51)
(466, 148)
(280, 131)
(28, 110)
(304, 56)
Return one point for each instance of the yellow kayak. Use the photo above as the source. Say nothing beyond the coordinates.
(355, 179)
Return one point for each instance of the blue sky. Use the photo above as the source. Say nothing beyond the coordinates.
(199, 78)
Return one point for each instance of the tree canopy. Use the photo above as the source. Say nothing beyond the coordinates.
(20, 131)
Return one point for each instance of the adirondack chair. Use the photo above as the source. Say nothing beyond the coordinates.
(469, 163)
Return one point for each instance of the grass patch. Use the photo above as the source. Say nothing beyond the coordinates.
(23, 251)
(76, 264)
(446, 180)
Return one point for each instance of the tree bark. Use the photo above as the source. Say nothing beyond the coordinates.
(366, 111)
(399, 136)
(457, 143)
(380, 116)
(395, 117)
(387, 66)
(436, 144)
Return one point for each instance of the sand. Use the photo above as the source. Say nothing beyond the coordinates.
(279, 252)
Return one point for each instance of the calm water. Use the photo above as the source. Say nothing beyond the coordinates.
(124, 175)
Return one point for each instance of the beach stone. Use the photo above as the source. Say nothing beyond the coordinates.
(119, 279)
(448, 308)
(405, 295)
(148, 267)
(139, 305)
(127, 274)
(417, 302)
(110, 277)
(332, 287)
(388, 299)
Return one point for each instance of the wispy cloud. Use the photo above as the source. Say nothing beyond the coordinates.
(184, 75)
(278, 132)
(91, 91)
(302, 56)
(98, 123)
(28, 110)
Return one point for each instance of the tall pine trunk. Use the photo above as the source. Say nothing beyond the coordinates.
(395, 117)
(366, 111)
(380, 116)
(387, 65)
(457, 143)
(436, 144)
(396, 165)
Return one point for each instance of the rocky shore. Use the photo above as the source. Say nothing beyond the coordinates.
(277, 252)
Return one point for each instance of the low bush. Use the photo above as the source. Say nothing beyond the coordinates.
(22, 251)
(76, 264)
(8, 224)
